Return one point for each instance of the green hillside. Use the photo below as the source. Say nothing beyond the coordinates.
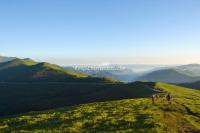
(15, 63)
(25, 97)
(130, 115)
(27, 70)
(194, 85)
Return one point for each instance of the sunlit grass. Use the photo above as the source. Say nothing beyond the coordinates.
(131, 115)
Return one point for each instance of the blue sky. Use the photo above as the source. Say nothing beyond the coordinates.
(101, 31)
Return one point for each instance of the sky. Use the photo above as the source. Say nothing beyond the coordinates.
(76, 32)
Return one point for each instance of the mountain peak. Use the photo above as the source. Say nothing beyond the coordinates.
(22, 61)
(48, 65)
(16, 62)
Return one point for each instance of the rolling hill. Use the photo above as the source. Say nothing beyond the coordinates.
(129, 115)
(26, 85)
(18, 98)
(180, 74)
(77, 102)
(194, 85)
(27, 70)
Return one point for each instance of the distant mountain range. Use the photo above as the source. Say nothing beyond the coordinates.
(179, 74)
(169, 74)
(122, 72)
(125, 75)
(27, 70)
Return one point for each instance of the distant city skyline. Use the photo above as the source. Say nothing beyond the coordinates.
(102, 31)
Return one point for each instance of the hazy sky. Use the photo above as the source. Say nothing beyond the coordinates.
(101, 31)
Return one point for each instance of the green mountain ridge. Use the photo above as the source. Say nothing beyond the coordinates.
(27, 70)
(16, 62)
(130, 115)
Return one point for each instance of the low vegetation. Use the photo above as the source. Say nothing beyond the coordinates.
(18, 98)
(194, 85)
(130, 115)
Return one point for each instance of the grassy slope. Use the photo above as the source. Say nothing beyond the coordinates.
(131, 115)
(194, 85)
(16, 62)
(29, 70)
(26, 70)
(59, 69)
(25, 97)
